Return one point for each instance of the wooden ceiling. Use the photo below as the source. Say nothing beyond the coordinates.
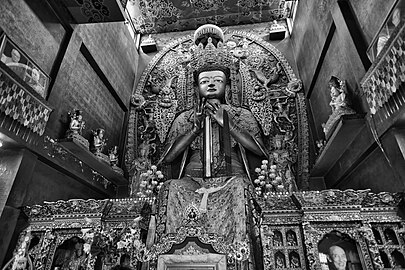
(157, 16)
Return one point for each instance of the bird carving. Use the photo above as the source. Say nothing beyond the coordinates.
(266, 82)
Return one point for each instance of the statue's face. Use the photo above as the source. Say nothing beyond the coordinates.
(212, 84)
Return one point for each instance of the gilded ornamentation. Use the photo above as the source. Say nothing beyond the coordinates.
(280, 110)
(291, 224)
(169, 16)
(331, 197)
(191, 250)
(366, 232)
(383, 199)
(277, 201)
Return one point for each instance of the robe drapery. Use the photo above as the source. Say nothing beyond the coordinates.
(224, 201)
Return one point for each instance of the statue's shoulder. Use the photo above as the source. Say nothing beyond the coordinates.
(238, 111)
(183, 120)
(185, 115)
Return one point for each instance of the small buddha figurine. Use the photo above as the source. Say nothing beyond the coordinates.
(77, 124)
(99, 140)
(113, 155)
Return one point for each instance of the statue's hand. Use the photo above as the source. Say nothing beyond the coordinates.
(216, 111)
(199, 116)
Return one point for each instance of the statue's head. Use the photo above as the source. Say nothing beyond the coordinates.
(212, 66)
(336, 84)
(100, 132)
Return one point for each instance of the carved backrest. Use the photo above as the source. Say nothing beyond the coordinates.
(264, 83)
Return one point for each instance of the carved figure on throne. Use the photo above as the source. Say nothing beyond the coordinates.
(339, 103)
(213, 140)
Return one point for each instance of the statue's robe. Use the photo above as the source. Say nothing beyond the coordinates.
(229, 210)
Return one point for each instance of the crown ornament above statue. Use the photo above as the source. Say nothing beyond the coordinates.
(211, 55)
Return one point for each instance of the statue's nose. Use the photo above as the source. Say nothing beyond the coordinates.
(211, 84)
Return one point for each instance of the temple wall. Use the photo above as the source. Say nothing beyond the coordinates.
(34, 28)
(331, 38)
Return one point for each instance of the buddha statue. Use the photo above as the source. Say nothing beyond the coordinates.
(214, 189)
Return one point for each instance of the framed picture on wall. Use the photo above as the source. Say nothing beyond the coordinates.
(23, 66)
(338, 251)
(393, 19)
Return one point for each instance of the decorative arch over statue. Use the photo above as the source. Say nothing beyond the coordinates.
(216, 122)
(264, 83)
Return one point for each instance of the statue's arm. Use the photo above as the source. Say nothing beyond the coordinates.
(248, 141)
(251, 142)
(179, 146)
(181, 135)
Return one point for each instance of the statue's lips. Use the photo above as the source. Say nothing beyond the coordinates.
(211, 90)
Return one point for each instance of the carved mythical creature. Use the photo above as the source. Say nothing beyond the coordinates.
(263, 83)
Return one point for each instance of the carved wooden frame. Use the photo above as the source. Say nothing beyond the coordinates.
(268, 253)
(28, 64)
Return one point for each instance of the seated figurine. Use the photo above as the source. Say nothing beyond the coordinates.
(338, 103)
(113, 155)
(76, 124)
(98, 140)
